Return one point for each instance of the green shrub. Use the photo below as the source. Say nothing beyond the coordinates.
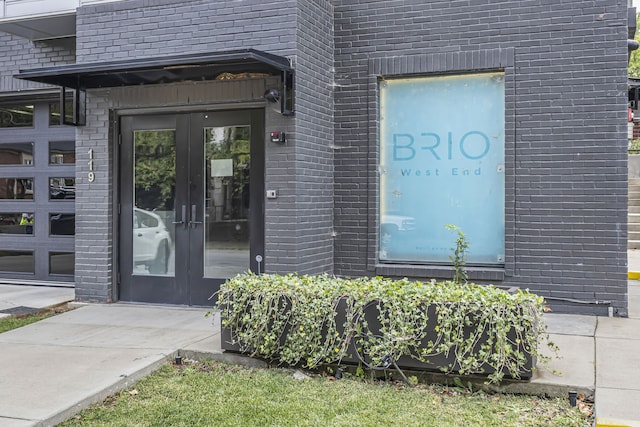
(292, 319)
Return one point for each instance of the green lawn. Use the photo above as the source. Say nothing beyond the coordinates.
(12, 322)
(216, 394)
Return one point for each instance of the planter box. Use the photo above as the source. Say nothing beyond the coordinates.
(431, 363)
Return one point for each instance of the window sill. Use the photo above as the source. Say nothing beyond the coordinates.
(491, 274)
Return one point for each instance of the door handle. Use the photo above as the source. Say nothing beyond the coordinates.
(183, 216)
(193, 221)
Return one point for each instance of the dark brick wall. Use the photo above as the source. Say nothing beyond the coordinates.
(565, 77)
(299, 222)
(154, 28)
(94, 242)
(18, 54)
(314, 136)
(147, 28)
(567, 184)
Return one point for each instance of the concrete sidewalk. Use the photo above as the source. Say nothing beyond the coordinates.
(18, 299)
(52, 369)
(617, 355)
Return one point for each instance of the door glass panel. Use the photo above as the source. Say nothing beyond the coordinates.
(226, 231)
(19, 153)
(16, 116)
(17, 261)
(154, 178)
(62, 224)
(16, 188)
(16, 223)
(62, 188)
(62, 263)
(62, 152)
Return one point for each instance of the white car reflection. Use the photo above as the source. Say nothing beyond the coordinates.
(391, 225)
(151, 241)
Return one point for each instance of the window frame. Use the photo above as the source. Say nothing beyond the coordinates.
(425, 64)
(41, 242)
(413, 159)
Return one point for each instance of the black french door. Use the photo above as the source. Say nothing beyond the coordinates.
(191, 204)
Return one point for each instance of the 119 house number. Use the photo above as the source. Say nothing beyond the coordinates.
(91, 176)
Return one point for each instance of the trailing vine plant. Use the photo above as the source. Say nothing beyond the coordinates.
(457, 327)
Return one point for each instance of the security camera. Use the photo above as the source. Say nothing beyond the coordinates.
(272, 95)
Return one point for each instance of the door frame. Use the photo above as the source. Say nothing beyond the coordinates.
(194, 296)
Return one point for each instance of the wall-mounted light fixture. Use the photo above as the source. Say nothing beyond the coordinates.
(272, 95)
(284, 94)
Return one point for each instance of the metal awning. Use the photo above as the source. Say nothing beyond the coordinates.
(166, 69)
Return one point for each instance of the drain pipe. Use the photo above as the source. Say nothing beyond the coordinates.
(513, 289)
(585, 302)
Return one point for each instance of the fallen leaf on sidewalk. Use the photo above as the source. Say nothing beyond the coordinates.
(585, 405)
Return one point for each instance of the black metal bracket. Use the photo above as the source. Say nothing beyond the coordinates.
(78, 100)
(287, 98)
